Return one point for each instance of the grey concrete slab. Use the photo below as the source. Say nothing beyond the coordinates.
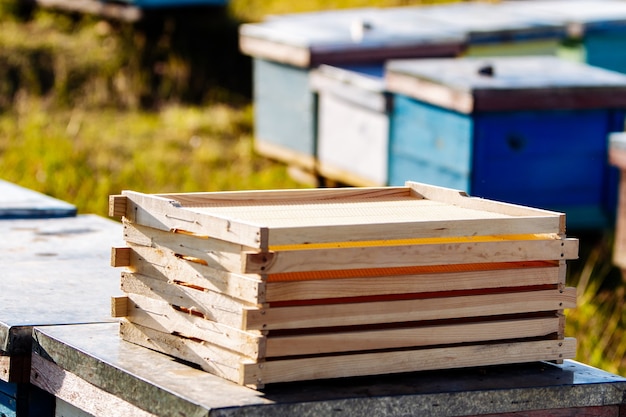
(55, 271)
(165, 387)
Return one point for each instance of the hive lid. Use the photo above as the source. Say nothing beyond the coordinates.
(489, 22)
(262, 219)
(506, 83)
(354, 35)
(21, 203)
(365, 77)
(578, 16)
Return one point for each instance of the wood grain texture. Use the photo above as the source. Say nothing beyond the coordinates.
(162, 263)
(161, 316)
(214, 359)
(81, 394)
(265, 219)
(414, 336)
(450, 253)
(381, 281)
(406, 361)
(213, 306)
(350, 314)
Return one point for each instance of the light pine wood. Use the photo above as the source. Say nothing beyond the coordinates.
(160, 316)
(213, 306)
(221, 362)
(162, 263)
(213, 253)
(418, 283)
(167, 214)
(78, 392)
(14, 368)
(554, 222)
(120, 257)
(5, 367)
(352, 314)
(417, 336)
(406, 361)
(407, 255)
(117, 205)
(119, 306)
(291, 217)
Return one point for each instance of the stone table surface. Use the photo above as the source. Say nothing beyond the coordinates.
(55, 271)
(166, 387)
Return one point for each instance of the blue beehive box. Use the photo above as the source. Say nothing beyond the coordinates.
(526, 130)
(497, 29)
(285, 49)
(596, 30)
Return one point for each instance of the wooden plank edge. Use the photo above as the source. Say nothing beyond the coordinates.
(119, 306)
(168, 214)
(402, 284)
(404, 255)
(14, 368)
(378, 312)
(161, 316)
(213, 359)
(406, 361)
(412, 337)
(117, 205)
(461, 198)
(76, 391)
(120, 256)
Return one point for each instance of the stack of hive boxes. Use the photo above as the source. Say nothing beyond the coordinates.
(261, 287)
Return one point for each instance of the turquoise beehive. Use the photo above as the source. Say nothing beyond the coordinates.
(526, 130)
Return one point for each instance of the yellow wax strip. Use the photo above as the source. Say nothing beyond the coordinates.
(417, 241)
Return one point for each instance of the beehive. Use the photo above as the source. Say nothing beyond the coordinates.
(596, 30)
(525, 130)
(352, 124)
(497, 28)
(262, 287)
(285, 48)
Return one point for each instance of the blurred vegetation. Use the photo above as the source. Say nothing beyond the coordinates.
(89, 107)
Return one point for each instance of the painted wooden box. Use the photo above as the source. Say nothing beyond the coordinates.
(274, 286)
(528, 130)
(617, 158)
(497, 28)
(596, 30)
(285, 49)
(21, 203)
(352, 125)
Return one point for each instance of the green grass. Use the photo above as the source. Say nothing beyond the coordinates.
(82, 156)
(89, 108)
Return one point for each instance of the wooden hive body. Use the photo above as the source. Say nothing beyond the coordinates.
(595, 29)
(286, 48)
(529, 130)
(265, 287)
(352, 124)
